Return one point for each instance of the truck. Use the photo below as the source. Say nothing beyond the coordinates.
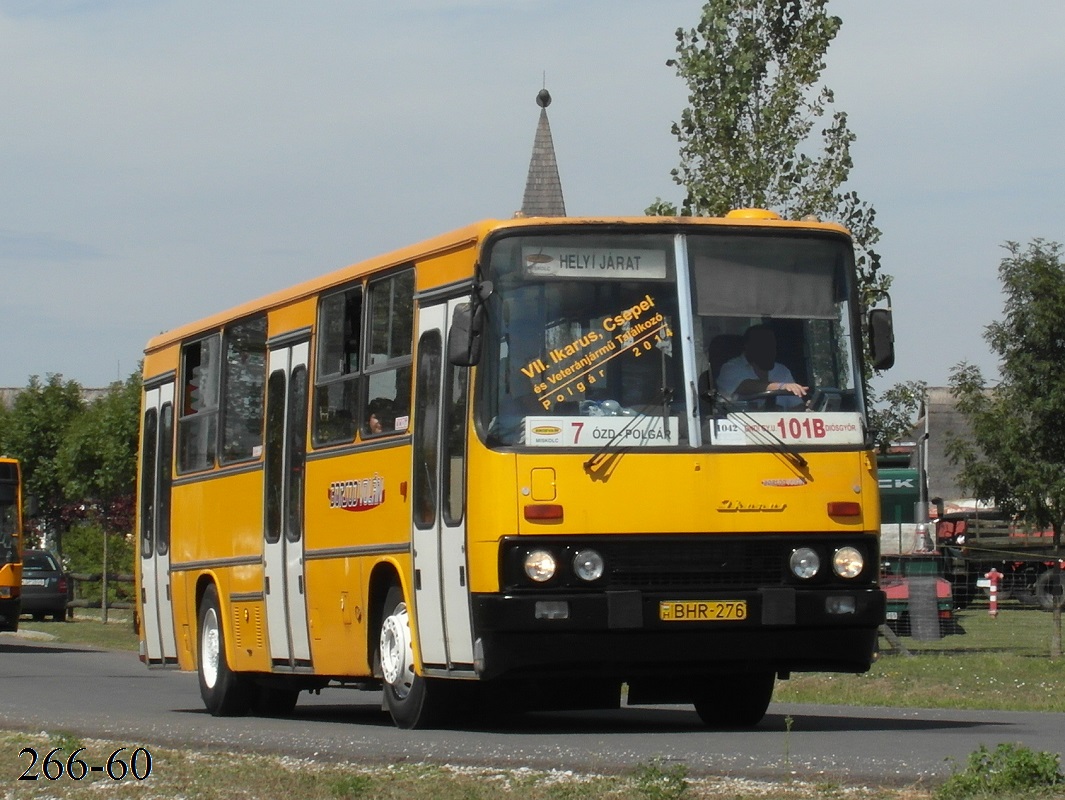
(974, 540)
(912, 571)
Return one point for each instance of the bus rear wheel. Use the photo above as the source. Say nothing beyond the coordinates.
(735, 701)
(413, 701)
(224, 692)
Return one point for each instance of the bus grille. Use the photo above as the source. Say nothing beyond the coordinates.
(670, 564)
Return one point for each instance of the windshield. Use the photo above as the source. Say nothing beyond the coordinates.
(587, 333)
(579, 326)
(773, 310)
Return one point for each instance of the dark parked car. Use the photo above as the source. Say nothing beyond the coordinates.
(45, 587)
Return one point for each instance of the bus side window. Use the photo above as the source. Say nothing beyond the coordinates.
(198, 424)
(245, 379)
(388, 357)
(336, 394)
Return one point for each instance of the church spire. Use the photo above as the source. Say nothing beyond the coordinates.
(543, 189)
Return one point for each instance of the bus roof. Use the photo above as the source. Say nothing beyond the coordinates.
(468, 236)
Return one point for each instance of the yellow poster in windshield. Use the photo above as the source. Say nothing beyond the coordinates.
(570, 370)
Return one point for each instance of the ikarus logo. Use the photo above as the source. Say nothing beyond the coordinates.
(738, 506)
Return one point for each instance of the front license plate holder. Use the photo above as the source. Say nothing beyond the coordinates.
(702, 610)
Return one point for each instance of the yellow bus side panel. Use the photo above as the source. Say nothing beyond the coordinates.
(491, 512)
(292, 317)
(444, 269)
(215, 521)
(161, 362)
(357, 514)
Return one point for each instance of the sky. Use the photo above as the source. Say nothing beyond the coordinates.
(161, 161)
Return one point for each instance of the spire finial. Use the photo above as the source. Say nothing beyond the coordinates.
(543, 189)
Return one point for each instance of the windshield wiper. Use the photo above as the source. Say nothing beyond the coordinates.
(599, 456)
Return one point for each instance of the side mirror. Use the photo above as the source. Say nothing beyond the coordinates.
(466, 336)
(464, 339)
(468, 328)
(881, 338)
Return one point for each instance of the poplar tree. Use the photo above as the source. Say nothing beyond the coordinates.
(759, 130)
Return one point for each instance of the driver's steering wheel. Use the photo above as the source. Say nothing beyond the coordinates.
(764, 397)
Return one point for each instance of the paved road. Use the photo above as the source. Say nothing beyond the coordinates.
(111, 696)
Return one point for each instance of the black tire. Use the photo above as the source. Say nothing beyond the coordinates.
(737, 701)
(224, 692)
(60, 614)
(412, 700)
(1050, 590)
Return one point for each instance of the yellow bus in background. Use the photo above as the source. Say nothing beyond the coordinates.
(501, 466)
(10, 544)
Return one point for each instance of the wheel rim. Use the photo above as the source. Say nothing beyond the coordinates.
(397, 655)
(209, 649)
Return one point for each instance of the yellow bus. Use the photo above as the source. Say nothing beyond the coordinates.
(503, 467)
(10, 544)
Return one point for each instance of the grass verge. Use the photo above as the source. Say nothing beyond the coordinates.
(222, 776)
(87, 628)
(999, 663)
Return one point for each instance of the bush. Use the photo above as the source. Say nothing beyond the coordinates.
(1009, 768)
(83, 551)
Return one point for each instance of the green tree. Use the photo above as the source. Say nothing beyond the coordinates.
(748, 138)
(33, 431)
(901, 405)
(760, 131)
(97, 459)
(1014, 456)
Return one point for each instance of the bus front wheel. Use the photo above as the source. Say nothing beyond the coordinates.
(735, 701)
(224, 692)
(404, 690)
(413, 700)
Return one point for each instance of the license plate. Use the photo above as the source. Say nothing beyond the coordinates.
(34, 581)
(701, 610)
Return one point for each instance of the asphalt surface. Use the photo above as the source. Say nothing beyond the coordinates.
(112, 696)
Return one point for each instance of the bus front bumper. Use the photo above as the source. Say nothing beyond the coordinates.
(630, 634)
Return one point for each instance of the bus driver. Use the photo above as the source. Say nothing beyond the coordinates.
(756, 370)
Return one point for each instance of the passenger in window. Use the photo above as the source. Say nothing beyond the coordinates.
(756, 370)
(380, 416)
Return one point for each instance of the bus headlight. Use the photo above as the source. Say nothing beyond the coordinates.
(540, 566)
(588, 565)
(804, 563)
(848, 562)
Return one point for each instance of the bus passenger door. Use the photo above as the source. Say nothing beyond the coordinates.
(442, 599)
(157, 614)
(286, 447)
